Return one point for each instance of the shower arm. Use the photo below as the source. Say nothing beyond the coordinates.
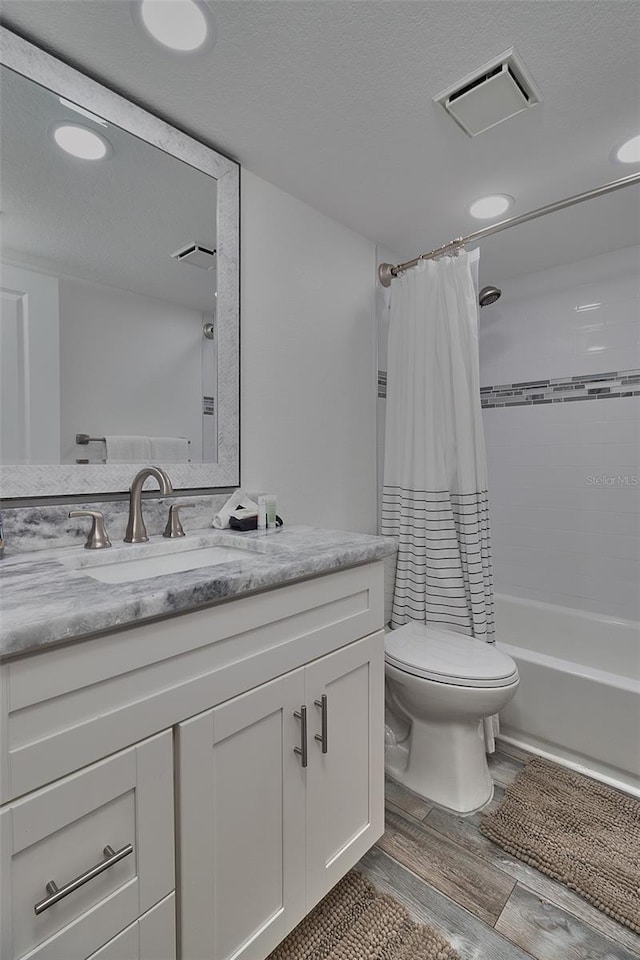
(387, 271)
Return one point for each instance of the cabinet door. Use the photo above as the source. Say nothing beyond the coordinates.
(152, 937)
(242, 830)
(61, 832)
(345, 784)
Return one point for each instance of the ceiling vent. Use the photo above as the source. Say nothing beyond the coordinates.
(196, 255)
(498, 90)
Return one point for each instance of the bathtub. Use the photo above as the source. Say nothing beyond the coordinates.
(579, 696)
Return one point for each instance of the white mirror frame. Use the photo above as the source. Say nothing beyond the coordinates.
(27, 480)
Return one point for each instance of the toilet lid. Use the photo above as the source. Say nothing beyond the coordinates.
(448, 657)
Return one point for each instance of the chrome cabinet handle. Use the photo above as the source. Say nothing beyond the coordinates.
(57, 893)
(301, 715)
(322, 737)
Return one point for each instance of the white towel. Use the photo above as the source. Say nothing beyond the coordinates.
(237, 499)
(169, 449)
(128, 449)
(244, 513)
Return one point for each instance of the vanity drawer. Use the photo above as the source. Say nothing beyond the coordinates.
(60, 833)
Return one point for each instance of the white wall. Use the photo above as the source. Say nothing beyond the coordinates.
(565, 522)
(129, 364)
(307, 362)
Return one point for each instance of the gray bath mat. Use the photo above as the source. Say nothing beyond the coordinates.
(355, 922)
(576, 830)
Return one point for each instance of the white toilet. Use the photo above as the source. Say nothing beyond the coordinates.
(444, 684)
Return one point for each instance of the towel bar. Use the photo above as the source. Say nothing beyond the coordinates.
(84, 438)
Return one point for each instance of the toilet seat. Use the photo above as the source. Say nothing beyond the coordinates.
(447, 657)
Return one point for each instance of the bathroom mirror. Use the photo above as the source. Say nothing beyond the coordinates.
(119, 281)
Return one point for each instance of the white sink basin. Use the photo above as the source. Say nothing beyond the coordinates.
(119, 570)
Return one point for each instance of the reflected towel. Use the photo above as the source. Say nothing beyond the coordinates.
(237, 499)
(170, 449)
(128, 449)
(491, 730)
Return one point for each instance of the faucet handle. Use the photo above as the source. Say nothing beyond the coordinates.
(98, 537)
(174, 527)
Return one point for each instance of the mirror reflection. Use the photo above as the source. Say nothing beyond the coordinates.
(108, 289)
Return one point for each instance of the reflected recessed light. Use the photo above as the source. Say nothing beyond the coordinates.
(183, 25)
(82, 111)
(80, 141)
(493, 206)
(629, 152)
(588, 306)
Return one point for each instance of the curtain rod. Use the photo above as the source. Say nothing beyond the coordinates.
(387, 271)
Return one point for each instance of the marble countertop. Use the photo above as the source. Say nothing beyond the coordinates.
(46, 598)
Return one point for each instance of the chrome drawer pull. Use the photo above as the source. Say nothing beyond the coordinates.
(57, 893)
(322, 737)
(301, 715)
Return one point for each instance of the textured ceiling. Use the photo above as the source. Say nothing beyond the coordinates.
(332, 101)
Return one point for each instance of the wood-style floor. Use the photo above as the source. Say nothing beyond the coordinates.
(489, 905)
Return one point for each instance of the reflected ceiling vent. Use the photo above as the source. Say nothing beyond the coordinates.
(498, 90)
(196, 255)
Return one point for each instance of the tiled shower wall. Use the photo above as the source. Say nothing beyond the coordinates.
(561, 352)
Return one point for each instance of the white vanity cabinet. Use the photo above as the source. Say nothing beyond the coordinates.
(184, 735)
(280, 793)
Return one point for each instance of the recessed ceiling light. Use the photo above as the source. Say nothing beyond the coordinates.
(80, 141)
(82, 111)
(493, 206)
(629, 152)
(183, 25)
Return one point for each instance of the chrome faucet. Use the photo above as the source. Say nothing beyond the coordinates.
(136, 530)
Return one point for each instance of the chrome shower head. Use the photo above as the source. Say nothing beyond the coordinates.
(489, 295)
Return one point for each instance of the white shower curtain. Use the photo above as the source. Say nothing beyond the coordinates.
(435, 474)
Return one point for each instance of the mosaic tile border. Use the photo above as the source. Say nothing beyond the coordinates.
(594, 386)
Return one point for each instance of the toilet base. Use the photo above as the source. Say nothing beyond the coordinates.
(447, 764)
